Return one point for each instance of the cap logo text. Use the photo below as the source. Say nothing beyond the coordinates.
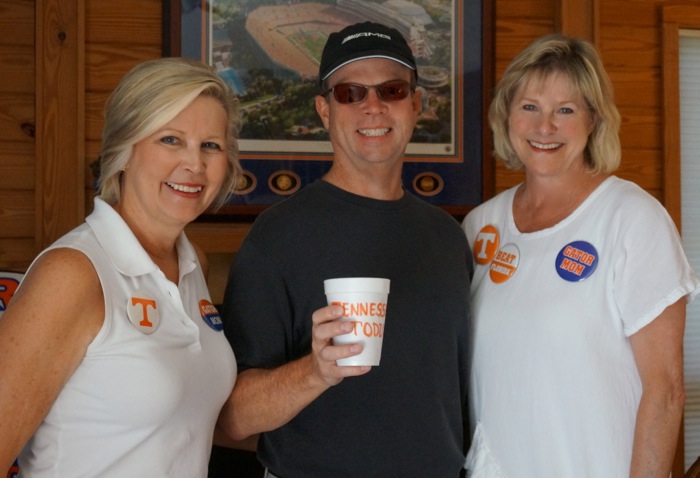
(365, 34)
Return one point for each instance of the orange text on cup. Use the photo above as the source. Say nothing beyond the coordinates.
(368, 329)
(364, 309)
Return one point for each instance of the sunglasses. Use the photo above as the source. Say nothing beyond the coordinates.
(348, 93)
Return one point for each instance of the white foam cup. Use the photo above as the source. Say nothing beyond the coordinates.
(363, 300)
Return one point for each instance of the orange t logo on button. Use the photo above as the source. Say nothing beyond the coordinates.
(145, 303)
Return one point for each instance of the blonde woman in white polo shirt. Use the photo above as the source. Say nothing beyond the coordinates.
(112, 357)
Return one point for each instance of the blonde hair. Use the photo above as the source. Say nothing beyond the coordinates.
(147, 98)
(579, 61)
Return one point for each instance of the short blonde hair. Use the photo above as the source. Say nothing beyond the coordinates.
(579, 61)
(147, 98)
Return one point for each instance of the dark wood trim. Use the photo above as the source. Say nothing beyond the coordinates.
(171, 27)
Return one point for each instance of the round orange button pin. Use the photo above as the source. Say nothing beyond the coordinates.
(486, 244)
(505, 263)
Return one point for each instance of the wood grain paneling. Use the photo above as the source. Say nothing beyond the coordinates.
(218, 237)
(16, 254)
(17, 23)
(17, 68)
(60, 93)
(507, 178)
(576, 18)
(17, 127)
(641, 129)
(123, 22)
(16, 167)
(94, 115)
(643, 167)
(106, 64)
(16, 109)
(17, 212)
(616, 14)
(119, 35)
(630, 46)
(518, 23)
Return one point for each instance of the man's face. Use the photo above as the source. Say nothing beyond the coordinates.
(372, 133)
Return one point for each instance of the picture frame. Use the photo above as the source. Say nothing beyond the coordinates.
(269, 50)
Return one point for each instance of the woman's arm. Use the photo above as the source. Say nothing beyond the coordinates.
(658, 353)
(52, 318)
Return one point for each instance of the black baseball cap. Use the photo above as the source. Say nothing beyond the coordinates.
(364, 40)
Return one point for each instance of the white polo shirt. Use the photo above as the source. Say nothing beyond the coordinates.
(145, 399)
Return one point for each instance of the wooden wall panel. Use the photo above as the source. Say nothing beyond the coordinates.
(17, 125)
(94, 115)
(16, 254)
(118, 36)
(630, 44)
(627, 44)
(632, 13)
(577, 18)
(643, 166)
(17, 211)
(635, 89)
(16, 109)
(641, 129)
(121, 33)
(60, 93)
(17, 23)
(124, 22)
(518, 23)
(107, 63)
(16, 167)
(17, 68)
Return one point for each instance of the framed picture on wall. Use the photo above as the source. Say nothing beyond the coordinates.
(269, 52)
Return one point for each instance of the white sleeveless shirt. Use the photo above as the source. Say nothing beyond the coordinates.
(145, 399)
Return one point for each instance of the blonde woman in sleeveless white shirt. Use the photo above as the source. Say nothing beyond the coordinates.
(112, 357)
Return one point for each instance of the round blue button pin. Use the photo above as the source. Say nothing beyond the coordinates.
(576, 261)
(210, 315)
